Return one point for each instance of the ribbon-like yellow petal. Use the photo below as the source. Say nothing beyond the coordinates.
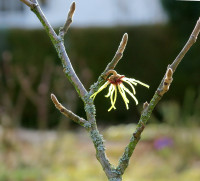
(139, 82)
(126, 101)
(130, 83)
(135, 99)
(109, 91)
(113, 101)
(100, 89)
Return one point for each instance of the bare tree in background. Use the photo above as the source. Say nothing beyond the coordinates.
(12, 105)
(38, 97)
(11, 111)
(113, 173)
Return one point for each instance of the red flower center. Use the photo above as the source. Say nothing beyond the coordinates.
(115, 80)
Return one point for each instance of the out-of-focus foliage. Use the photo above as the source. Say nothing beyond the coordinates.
(150, 49)
(186, 114)
(182, 14)
(164, 153)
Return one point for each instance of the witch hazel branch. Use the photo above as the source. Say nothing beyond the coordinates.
(116, 82)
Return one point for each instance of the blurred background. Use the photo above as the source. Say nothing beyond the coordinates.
(38, 143)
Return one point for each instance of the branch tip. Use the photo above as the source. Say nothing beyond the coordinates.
(123, 43)
(52, 95)
(71, 10)
(169, 73)
(125, 36)
(54, 99)
(111, 66)
(73, 7)
(68, 22)
(56, 102)
(67, 112)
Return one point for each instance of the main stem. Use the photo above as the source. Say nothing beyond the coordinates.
(89, 106)
(98, 141)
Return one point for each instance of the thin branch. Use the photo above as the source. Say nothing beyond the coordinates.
(190, 42)
(147, 109)
(192, 39)
(63, 30)
(118, 54)
(59, 46)
(66, 112)
(146, 113)
(112, 64)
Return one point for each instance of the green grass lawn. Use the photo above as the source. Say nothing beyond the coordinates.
(164, 153)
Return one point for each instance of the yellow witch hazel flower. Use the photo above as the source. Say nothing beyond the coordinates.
(116, 83)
